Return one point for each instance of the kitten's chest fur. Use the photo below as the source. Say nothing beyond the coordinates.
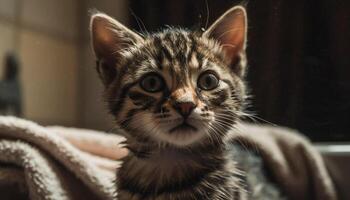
(169, 175)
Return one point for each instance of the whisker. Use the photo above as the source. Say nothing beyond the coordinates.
(139, 22)
(207, 20)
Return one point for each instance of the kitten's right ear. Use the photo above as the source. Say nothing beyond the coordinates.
(109, 37)
(230, 30)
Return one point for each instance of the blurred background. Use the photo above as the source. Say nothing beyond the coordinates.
(298, 53)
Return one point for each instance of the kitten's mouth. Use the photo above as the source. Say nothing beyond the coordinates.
(183, 127)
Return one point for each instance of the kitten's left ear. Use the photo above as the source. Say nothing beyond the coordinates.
(230, 30)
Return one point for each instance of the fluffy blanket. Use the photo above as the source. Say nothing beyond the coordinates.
(65, 163)
(56, 163)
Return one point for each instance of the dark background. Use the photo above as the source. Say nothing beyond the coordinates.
(298, 53)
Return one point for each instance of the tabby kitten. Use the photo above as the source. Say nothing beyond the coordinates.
(176, 94)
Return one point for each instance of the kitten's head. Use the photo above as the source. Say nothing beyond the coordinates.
(177, 86)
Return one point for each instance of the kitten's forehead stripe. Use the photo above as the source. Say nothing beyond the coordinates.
(158, 43)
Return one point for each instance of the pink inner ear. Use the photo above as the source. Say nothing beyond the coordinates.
(236, 33)
(104, 38)
(233, 43)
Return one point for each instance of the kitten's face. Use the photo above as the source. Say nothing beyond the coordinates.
(176, 87)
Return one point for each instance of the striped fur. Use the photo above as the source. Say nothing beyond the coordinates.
(168, 162)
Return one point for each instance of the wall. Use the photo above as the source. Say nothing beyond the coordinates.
(44, 34)
(58, 76)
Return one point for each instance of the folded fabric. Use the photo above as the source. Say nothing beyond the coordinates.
(53, 163)
(290, 159)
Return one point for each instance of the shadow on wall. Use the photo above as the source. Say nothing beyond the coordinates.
(10, 88)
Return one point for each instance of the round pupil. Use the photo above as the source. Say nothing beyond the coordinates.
(209, 80)
(152, 82)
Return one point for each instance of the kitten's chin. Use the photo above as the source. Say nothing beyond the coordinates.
(182, 135)
(182, 138)
(175, 132)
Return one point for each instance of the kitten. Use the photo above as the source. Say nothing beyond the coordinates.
(176, 94)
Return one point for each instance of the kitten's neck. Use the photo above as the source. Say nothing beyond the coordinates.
(172, 159)
(163, 167)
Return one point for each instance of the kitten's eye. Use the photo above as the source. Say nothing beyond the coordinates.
(208, 81)
(152, 83)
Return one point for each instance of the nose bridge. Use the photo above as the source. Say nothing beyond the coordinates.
(183, 94)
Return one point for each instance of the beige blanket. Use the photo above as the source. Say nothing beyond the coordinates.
(55, 162)
(66, 163)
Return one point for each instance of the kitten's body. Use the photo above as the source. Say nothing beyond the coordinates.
(177, 94)
(172, 174)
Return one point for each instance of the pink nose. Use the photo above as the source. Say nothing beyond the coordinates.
(184, 108)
